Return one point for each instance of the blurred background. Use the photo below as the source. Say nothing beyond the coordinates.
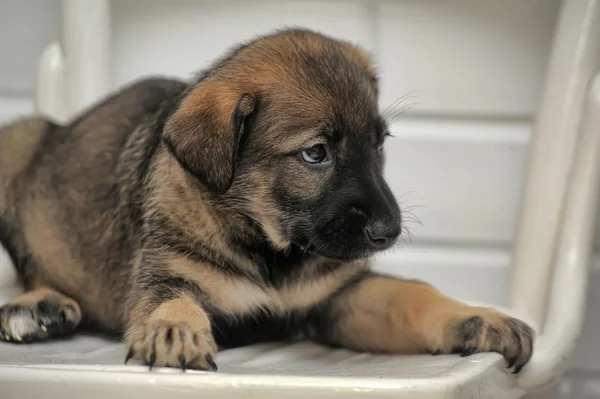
(462, 77)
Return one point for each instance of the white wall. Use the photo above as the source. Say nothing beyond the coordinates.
(26, 26)
(477, 67)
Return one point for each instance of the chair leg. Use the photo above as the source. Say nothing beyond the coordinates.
(49, 93)
(568, 291)
(574, 60)
(86, 46)
(555, 236)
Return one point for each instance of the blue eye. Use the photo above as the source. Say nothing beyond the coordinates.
(315, 154)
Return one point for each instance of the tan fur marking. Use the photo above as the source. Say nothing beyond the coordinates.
(180, 310)
(264, 209)
(302, 293)
(184, 309)
(391, 315)
(177, 334)
(240, 296)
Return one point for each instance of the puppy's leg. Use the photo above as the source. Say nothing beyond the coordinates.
(378, 313)
(171, 331)
(38, 315)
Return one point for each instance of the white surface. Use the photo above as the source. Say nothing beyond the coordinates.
(93, 369)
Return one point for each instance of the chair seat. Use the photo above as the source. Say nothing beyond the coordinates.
(92, 367)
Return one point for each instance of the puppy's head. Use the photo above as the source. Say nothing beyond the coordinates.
(286, 129)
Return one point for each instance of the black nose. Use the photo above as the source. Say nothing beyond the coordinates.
(382, 234)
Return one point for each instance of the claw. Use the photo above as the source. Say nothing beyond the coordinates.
(468, 352)
(211, 362)
(518, 369)
(511, 362)
(130, 354)
(152, 360)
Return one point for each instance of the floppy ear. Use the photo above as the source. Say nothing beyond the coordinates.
(204, 133)
(362, 59)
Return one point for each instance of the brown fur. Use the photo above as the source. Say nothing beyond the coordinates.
(20, 140)
(188, 215)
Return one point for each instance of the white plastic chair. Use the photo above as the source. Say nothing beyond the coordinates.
(550, 266)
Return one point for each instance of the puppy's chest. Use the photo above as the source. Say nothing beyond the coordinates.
(280, 292)
(288, 283)
(278, 308)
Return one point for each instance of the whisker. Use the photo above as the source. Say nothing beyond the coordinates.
(407, 107)
(400, 99)
(413, 219)
(409, 233)
(391, 118)
(308, 245)
(403, 105)
(393, 108)
(410, 214)
(412, 207)
(404, 195)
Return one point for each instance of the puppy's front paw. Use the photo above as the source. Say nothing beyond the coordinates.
(165, 343)
(487, 330)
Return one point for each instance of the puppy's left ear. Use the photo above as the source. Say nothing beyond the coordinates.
(204, 133)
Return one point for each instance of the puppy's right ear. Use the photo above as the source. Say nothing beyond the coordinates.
(203, 134)
(361, 58)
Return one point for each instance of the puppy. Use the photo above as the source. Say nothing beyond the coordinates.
(240, 208)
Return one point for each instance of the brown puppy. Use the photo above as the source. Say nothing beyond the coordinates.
(240, 208)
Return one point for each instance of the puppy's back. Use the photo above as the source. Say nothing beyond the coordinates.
(18, 144)
(105, 124)
(73, 195)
